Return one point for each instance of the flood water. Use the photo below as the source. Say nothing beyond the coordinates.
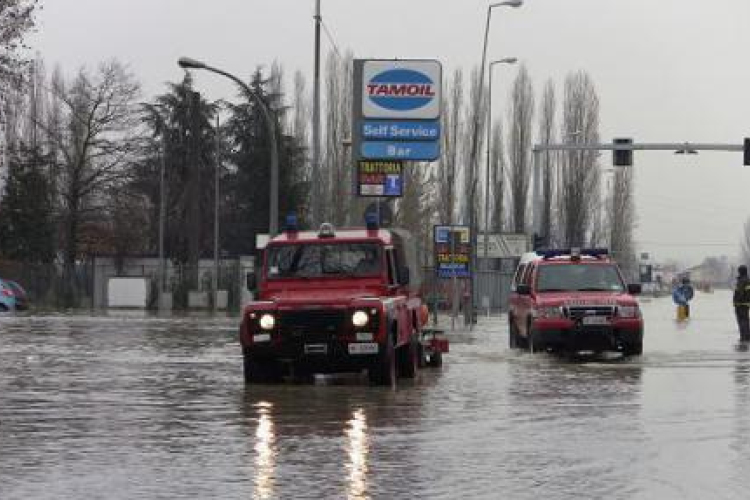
(131, 407)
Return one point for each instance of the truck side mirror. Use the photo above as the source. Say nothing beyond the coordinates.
(523, 289)
(251, 282)
(634, 288)
(404, 276)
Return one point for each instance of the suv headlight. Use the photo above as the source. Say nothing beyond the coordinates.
(629, 312)
(360, 318)
(549, 312)
(267, 321)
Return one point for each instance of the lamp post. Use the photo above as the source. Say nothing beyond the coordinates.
(273, 222)
(316, 215)
(473, 151)
(505, 60)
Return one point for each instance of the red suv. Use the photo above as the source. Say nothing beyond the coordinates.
(574, 300)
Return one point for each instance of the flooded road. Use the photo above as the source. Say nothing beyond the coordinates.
(128, 407)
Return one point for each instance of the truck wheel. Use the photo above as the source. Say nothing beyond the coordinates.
(383, 371)
(532, 341)
(421, 356)
(634, 349)
(513, 342)
(436, 360)
(408, 359)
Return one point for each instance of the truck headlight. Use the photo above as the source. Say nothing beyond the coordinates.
(549, 312)
(360, 318)
(267, 321)
(629, 312)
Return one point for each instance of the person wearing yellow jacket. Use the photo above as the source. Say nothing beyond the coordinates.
(741, 302)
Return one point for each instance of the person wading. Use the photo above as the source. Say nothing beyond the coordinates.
(741, 301)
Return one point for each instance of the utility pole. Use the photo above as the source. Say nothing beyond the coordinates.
(315, 180)
(162, 209)
(217, 168)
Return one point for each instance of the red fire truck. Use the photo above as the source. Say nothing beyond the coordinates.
(338, 301)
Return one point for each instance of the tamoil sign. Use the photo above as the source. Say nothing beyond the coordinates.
(401, 89)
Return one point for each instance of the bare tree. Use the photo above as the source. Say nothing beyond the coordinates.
(450, 154)
(474, 118)
(16, 18)
(497, 177)
(547, 136)
(621, 216)
(519, 145)
(96, 143)
(300, 130)
(301, 118)
(414, 208)
(580, 175)
(336, 151)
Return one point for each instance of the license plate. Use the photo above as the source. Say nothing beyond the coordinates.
(262, 337)
(363, 348)
(595, 320)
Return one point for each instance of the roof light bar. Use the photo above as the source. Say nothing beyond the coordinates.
(574, 252)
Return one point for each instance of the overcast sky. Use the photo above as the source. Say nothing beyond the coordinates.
(665, 71)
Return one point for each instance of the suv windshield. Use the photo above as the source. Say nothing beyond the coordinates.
(315, 260)
(579, 277)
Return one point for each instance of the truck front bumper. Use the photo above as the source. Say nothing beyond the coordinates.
(316, 354)
(573, 336)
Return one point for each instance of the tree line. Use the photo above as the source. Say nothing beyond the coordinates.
(85, 155)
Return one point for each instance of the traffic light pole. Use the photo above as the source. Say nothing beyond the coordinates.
(614, 146)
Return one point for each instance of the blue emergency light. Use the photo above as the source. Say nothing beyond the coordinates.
(371, 220)
(291, 222)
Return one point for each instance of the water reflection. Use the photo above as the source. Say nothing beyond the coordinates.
(358, 449)
(265, 451)
(581, 427)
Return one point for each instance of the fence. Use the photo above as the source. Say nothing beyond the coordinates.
(52, 286)
(491, 289)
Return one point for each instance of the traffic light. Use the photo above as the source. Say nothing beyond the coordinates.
(622, 157)
(746, 152)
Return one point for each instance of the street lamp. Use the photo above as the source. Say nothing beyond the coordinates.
(273, 222)
(505, 60)
(474, 147)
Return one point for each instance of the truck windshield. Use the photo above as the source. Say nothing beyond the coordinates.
(324, 260)
(579, 277)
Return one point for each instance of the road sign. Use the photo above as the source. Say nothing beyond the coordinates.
(380, 178)
(452, 251)
(403, 130)
(503, 245)
(398, 150)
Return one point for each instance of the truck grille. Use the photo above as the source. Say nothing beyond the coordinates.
(578, 312)
(319, 320)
